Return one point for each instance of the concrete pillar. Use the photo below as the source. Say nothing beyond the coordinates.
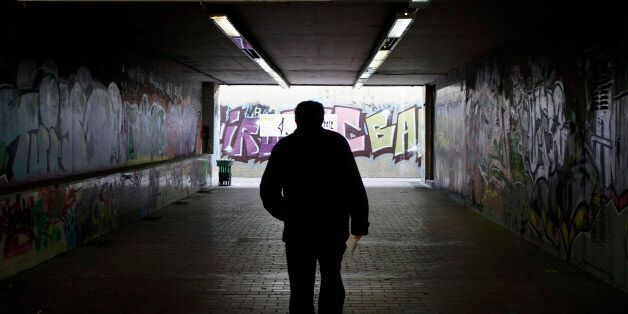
(430, 98)
(209, 104)
(211, 125)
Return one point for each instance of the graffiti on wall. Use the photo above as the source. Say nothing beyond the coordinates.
(370, 133)
(535, 160)
(35, 225)
(550, 154)
(608, 129)
(450, 136)
(53, 126)
(34, 221)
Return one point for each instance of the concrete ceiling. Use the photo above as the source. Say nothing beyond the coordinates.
(447, 34)
(320, 44)
(316, 42)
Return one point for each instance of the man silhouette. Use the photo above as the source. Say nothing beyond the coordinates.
(313, 185)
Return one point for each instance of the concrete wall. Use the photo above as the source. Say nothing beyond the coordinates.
(535, 137)
(78, 96)
(59, 123)
(38, 224)
(79, 106)
(383, 125)
(55, 123)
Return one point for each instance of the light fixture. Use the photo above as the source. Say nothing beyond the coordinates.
(262, 64)
(386, 45)
(271, 72)
(375, 64)
(225, 26)
(245, 46)
(379, 58)
(419, 3)
(399, 27)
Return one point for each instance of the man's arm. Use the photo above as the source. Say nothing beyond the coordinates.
(270, 187)
(359, 208)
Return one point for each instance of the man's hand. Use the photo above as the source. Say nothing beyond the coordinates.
(352, 242)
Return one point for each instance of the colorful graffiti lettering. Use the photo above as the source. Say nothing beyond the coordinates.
(349, 125)
(38, 224)
(520, 148)
(34, 220)
(78, 124)
(388, 131)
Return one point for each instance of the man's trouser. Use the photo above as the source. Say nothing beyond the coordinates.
(302, 259)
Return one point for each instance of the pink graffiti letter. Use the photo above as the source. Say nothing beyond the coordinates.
(349, 126)
(245, 144)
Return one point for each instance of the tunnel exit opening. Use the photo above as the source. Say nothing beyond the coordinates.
(384, 126)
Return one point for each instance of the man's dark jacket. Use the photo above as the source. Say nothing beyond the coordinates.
(313, 185)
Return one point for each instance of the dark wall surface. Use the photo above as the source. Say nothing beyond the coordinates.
(75, 99)
(534, 136)
(80, 97)
(38, 224)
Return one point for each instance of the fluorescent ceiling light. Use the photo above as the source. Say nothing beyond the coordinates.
(381, 55)
(399, 27)
(385, 47)
(280, 81)
(262, 63)
(225, 25)
(379, 58)
(375, 64)
(418, 3)
(237, 39)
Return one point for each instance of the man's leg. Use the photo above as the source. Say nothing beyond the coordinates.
(332, 294)
(301, 271)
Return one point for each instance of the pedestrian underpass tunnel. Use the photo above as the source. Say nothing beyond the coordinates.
(491, 136)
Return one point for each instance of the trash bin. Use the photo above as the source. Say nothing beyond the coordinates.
(224, 171)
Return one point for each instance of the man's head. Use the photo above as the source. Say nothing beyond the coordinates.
(309, 114)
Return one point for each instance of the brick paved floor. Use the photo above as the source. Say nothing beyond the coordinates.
(221, 253)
